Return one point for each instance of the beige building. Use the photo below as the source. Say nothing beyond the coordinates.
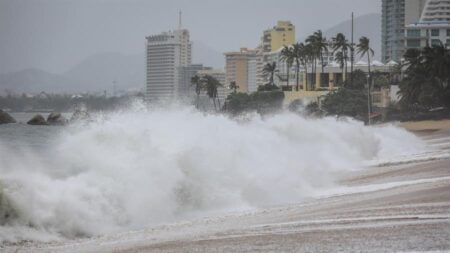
(273, 39)
(238, 65)
(280, 35)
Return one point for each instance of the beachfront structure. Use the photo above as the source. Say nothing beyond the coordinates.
(396, 14)
(273, 39)
(281, 76)
(329, 80)
(433, 27)
(239, 67)
(166, 54)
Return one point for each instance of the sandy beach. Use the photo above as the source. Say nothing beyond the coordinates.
(443, 125)
(399, 207)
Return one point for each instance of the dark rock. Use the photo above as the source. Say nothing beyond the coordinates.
(5, 118)
(55, 118)
(80, 115)
(37, 120)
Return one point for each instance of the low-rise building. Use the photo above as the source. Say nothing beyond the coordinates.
(321, 83)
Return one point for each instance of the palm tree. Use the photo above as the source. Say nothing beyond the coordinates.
(339, 58)
(340, 43)
(321, 45)
(437, 61)
(298, 52)
(233, 86)
(427, 78)
(309, 55)
(287, 55)
(364, 49)
(270, 69)
(313, 53)
(197, 81)
(211, 84)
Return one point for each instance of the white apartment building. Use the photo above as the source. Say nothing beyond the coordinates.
(166, 54)
(433, 27)
(396, 14)
(251, 73)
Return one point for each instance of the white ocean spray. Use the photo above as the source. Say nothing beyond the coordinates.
(141, 167)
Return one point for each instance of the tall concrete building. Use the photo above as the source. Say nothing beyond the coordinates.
(433, 27)
(237, 66)
(396, 14)
(167, 53)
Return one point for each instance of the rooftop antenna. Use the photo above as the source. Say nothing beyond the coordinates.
(179, 21)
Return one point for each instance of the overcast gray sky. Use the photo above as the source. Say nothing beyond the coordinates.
(54, 35)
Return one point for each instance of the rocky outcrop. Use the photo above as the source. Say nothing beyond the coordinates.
(5, 118)
(56, 119)
(37, 120)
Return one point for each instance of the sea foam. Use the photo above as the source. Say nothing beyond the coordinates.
(142, 167)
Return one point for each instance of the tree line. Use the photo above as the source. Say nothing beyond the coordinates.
(426, 78)
(310, 53)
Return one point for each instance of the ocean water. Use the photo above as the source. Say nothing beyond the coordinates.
(142, 167)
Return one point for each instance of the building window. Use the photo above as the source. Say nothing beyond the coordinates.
(413, 33)
(434, 32)
(435, 42)
(448, 32)
(448, 43)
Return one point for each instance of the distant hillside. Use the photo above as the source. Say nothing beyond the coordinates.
(206, 55)
(99, 71)
(368, 25)
(34, 80)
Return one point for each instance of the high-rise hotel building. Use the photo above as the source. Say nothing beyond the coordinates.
(167, 53)
(396, 14)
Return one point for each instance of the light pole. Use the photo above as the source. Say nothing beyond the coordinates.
(368, 100)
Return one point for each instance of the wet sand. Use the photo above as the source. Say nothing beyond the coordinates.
(393, 208)
(427, 125)
(413, 217)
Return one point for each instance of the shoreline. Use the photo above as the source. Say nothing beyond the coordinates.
(426, 125)
(397, 208)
